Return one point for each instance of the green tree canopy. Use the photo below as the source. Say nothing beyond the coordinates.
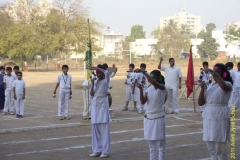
(209, 48)
(136, 33)
(208, 33)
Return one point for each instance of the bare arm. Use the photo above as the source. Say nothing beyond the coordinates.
(160, 63)
(143, 98)
(92, 88)
(134, 85)
(180, 82)
(201, 99)
(57, 85)
(24, 91)
(14, 93)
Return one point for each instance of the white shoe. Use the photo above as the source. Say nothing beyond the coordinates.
(95, 154)
(140, 111)
(104, 155)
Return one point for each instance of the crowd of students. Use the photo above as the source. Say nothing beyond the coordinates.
(217, 86)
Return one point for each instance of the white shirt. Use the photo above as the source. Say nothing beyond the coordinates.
(231, 73)
(9, 81)
(172, 75)
(19, 86)
(130, 78)
(205, 77)
(141, 79)
(236, 80)
(64, 81)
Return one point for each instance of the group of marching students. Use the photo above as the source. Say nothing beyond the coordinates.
(217, 86)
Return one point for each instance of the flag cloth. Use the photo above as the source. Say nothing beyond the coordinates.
(88, 55)
(190, 74)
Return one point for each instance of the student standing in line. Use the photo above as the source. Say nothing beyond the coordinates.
(2, 95)
(129, 87)
(154, 118)
(9, 98)
(19, 90)
(100, 113)
(216, 114)
(65, 92)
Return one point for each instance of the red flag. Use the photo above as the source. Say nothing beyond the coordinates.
(190, 74)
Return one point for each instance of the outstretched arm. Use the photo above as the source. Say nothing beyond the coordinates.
(160, 63)
(143, 98)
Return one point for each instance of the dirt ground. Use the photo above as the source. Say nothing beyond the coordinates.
(40, 135)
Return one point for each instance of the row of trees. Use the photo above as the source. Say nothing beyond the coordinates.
(28, 28)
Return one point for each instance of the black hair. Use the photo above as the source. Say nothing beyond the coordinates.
(157, 73)
(16, 67)
(224, 69)
(9, 69)
(101, 66)
(205, 63)
(170, 59)
(105, 66)
(143, 65)
(65, 66)
(19, 73)
(132, 65)
(229, 64)
(238, 63)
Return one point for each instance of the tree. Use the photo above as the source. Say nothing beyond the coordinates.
(209, 28)
(155, 33)
(172, 40)
(136, 33)
(209, 48)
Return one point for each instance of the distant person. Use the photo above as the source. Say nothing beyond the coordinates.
(216, 114)
(100, 113)
(230, 66)
(65, 92)
(154, 119)
(9, 97)
(16, 70)
(19, 90)
(205, 77)
(236, 88)
(2, 95)
(173, 78)
(140, 78)
(129, 88)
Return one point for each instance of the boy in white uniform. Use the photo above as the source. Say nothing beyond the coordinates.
(140, 79)
(19, 89)
(16, 70)
(100, 113)
(235, 97)
(129, 83)
(9, 99)
(154, 118)
(230, 66)
(65, 92)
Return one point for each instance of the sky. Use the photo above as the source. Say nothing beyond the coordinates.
(121, 15)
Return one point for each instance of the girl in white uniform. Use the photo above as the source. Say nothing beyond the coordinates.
(216, 115)
(154, 118)
(100, 113)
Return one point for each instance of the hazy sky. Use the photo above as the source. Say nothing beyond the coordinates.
(121, 15)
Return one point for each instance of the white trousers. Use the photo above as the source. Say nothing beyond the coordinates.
(173, 100)
(235, 97)
(157, 146)
(100, 138)
(139, 103)
(63, 103)
(217, 150)
(19, 105)
(9, 101)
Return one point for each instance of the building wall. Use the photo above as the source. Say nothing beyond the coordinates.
(195, 44)
(235, 24)
(142, 47)
(112, 43)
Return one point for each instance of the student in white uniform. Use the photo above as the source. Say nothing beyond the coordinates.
(205, 77)
(2, 96)
(140, 78)
(216, 114)
(100, 113)
(154, 118)
(230, 66)
(9, 99)
(65, 92)
(235, 99)
(15, 70)
(19, 90)
(173, 78)
(129, 88)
